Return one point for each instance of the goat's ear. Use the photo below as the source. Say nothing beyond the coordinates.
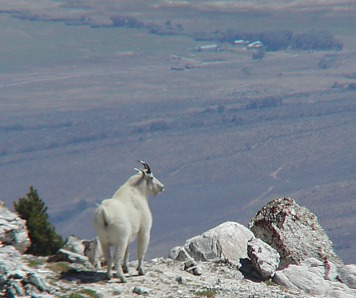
(140, 171)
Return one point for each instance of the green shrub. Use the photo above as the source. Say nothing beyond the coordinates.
(44, 240)
(206, 293)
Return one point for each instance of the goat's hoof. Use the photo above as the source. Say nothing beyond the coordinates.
(125, 269)
(123, 280)
(141, 271)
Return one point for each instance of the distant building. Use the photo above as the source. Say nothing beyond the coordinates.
(241, 42)
(209, 47)
(255, 45)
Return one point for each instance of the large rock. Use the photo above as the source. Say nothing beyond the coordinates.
(227, 241)
(63, 255)
(92, 250)
(74, 244)
(314, 277)
(265, 259)
(13, 230)
(88, 248)
(293, 231)
(347, 275)
(16, 278)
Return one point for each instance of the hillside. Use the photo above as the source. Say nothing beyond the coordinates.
(224, 133)
(226, 261)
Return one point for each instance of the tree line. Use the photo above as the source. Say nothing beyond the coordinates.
(274, 40)
(277, 40)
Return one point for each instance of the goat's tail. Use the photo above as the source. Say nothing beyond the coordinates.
(102, 216)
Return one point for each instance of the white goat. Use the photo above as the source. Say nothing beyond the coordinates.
(119, 220)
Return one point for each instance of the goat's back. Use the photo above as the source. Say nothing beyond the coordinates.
(122, 217)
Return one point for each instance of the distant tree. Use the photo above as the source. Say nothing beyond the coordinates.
(221, 108)
(44, 240)
(168, 23)
(329, 60)
(258, 54)
(316, 41)
(276, 40)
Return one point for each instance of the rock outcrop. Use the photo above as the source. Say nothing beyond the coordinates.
(74, 244)
(225, 261)
(63, 255)
(265, 259)
(293, 231)
(91, 249)
(315, 277)
(347, 275)
(227, 241)
(16, 278)
(13, 230)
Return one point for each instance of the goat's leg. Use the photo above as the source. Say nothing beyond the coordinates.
(120, 249)
(142, 243)
(125, 265)
(106, 252)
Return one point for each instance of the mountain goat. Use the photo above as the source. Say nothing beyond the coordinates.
(117, 221)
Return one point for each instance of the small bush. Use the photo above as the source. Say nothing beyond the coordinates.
(206, 293)
(44, 240)
(35, 263)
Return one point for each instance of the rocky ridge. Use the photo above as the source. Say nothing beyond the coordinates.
(229, 260)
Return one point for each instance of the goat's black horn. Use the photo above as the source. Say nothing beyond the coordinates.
(146, 166)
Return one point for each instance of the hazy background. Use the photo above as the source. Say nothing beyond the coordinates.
(89, 87)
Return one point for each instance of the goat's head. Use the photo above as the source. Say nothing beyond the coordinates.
(153, 184)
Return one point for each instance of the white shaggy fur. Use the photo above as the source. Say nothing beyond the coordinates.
(119, 220)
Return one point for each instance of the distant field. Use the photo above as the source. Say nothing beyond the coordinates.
(28, 44)
(81, 101)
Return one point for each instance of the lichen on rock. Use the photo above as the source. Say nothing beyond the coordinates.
(293, 231)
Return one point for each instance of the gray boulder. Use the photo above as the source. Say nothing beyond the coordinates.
(293, 231)
(13, 230)
(74, 244)
(347, 275)
(227, 241)
(141, 291)
(204, 248)
(178, 253)
(314, 277)
(87, 248)
(63, 255)
(192, 267)
(92, 250)
(265, 259)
